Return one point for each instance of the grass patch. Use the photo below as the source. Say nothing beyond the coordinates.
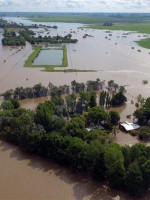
(33, 56)
(65, 59)
(66, 70)
(145, 43)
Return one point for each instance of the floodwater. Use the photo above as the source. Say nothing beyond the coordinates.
(49, 57)
(113, 58)
(29, 177)
(32, 103)
(26, 177)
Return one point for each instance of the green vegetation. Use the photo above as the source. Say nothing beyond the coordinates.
(143, 113)
(144, 43)
(143, 133)
(45, 132)
(145, 82)
(88, 18)
(87, 97)
(65, 59)
(29, 36)
(14, 41)
(11, 39)
(33, 56)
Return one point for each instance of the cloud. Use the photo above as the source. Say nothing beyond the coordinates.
(76, 5)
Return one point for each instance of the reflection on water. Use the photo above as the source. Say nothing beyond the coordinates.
(32, 103)
(49, 57)
(25, 176)
(125, 111)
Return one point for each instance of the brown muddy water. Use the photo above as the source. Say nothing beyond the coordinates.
(25, 177)
(29, 177)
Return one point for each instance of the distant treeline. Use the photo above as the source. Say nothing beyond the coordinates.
(5, 24)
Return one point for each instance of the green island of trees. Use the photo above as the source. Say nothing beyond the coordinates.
(11, 39)
(57, 131)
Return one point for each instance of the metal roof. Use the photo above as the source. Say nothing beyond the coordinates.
(130, 126)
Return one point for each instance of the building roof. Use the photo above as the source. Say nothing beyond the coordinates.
(130, 126)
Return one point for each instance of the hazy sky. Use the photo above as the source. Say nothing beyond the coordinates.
(76, 5)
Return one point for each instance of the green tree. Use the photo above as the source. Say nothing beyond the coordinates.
(97, 115)
(7, 105)
(15, 103)
(118, 99)
(75, 128)
(114, 163)
(114, 117)
(134, 180)
(92, 102)
(71, 103)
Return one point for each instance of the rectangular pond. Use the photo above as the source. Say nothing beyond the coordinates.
(49, 57)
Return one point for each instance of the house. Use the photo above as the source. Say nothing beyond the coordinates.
(127, 126)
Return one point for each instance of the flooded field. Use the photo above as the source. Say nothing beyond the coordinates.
(26, 177)
(115, 58)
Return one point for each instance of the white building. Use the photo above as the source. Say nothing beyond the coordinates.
(127, 126)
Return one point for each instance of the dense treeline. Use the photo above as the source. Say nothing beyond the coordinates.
(48, 134)
(5, 24)
(109, 96)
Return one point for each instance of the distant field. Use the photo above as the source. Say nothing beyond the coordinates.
(86, 19)
(141, 28)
